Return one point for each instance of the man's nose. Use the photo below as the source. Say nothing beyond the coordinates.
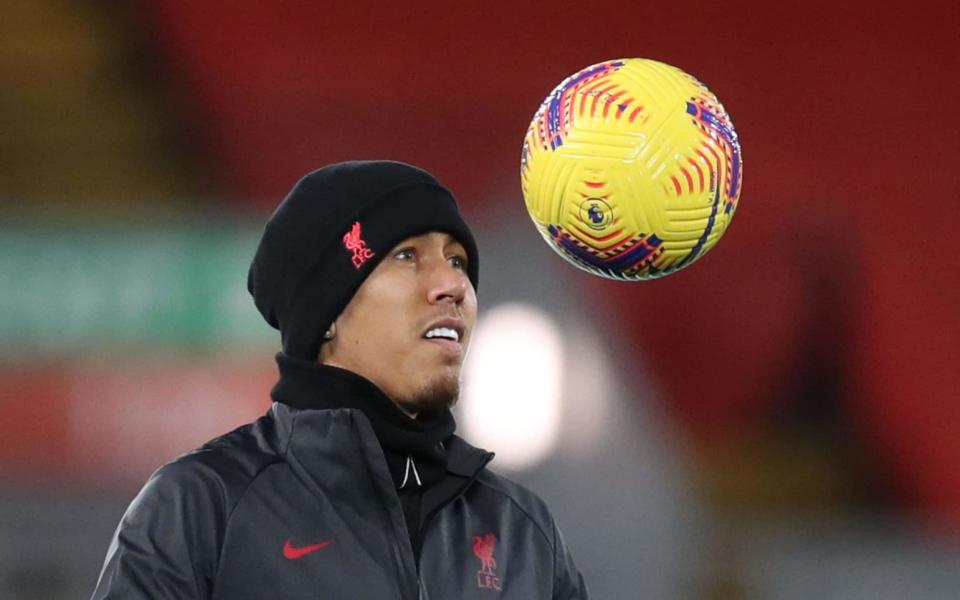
(447, 284)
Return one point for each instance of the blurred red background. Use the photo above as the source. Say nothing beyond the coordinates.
(830, 306)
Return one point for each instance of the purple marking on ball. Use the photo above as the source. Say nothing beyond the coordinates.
(553, 109)
(729, 136)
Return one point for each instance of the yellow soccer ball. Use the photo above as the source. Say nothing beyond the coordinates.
(631, 169)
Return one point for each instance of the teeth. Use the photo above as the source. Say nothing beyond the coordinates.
(443, 332)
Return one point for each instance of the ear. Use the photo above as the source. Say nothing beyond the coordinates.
(331, 332)
(326, 345)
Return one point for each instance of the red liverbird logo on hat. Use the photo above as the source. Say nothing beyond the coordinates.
(483, 549)
(354, 243)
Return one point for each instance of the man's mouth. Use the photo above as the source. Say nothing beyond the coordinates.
(446, 331)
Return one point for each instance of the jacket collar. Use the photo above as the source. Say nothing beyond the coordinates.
(465, 460)
(311, 387)
(312, 436)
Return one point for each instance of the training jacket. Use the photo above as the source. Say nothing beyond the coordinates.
(300, 504)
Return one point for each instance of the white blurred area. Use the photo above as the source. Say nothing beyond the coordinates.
(514, 387)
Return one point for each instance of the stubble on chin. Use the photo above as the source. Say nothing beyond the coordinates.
(435, 396)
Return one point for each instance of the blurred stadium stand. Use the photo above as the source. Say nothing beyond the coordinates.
(778, 421)
(86, 114)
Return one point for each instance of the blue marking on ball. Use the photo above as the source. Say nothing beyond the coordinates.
(595, 214)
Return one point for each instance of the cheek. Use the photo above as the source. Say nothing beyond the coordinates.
(388, 323)
(367, 324)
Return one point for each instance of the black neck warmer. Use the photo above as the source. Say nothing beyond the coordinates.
(308, 385)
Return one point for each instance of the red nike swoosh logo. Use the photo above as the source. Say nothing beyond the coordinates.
(292, 553)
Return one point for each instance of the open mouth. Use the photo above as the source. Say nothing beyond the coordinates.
(448, 330)
(443, 333)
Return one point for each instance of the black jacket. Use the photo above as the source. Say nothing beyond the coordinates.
(301, 504)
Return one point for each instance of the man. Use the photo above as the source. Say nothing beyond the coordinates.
(353, 485)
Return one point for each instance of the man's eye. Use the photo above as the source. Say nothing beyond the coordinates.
(405, 254)
(459, 262)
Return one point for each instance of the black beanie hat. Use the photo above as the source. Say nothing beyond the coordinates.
(329, 233)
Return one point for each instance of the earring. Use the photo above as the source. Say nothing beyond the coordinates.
(328, 335)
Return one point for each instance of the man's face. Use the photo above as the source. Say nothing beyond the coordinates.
(407, 327)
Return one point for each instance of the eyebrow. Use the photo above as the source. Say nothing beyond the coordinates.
(452, 241)
(448, 241)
